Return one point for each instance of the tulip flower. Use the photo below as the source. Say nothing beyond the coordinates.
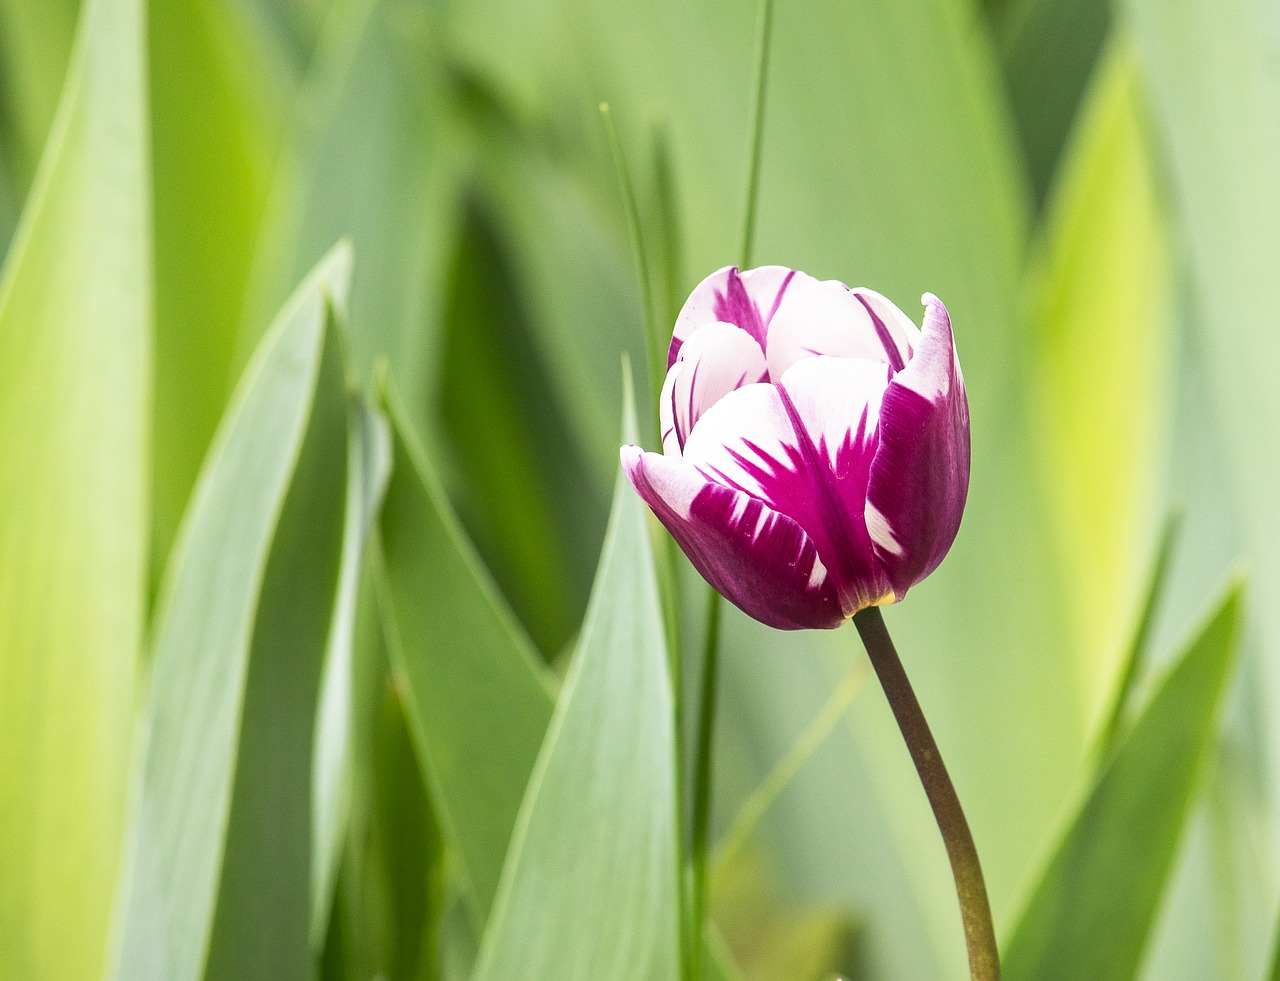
(815, 445)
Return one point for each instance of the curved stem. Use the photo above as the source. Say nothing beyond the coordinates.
(975, 910)
(702, 780)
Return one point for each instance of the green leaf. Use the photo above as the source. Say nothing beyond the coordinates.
(1048, 51)
(478, 698)
(1102, 302)
(210, 150)
(1139, 647)
(367, 162)
(590, 888)
(262, 927)
(74, 394)
(1091, 914)
(408, 852)
(1273, 972)
(369, 468)
(508, 497)
(1210, 73)
(240, 631)
(35, 45)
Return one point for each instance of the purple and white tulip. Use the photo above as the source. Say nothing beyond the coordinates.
(815, 445)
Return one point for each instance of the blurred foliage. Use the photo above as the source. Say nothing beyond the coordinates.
(349, 757)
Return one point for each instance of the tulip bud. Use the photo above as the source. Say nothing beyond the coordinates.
(815, 445)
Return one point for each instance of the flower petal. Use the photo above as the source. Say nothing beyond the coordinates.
(920, 475)
(761, 561)
(816, 318)
(804, 447)
(716, 360)
(745, 299)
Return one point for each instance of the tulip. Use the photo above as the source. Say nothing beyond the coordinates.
(815, 445)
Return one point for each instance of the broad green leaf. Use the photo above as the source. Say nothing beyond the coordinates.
(591, 887)
(210, 150)
(1090, 915)
(369, 467)
(408, 852)
(1209, 69)
(1273, 971)
(1101, 299)
(1048, 51)
(262, 925)
(366, 161)
(35, 45)
(266, 504)
(478, 698)
(1139, 651)
(74, 394)
(390, 893)
(508, 495)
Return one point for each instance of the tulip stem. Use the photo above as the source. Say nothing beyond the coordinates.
(975, 910)
(702, 783)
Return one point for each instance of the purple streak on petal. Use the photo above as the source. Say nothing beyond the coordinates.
(777, 300)
(718, 358)
(827, 501)
(693, 398)
(735, 306)
(760, 560)
(837, 504)
(673, 351)
(886, 339)
(920, 475)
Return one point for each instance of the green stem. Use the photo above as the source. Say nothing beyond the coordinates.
(757, 132)
(787, 768)
(702, 781)
(975, 910)
(657, 353)
(711, 649)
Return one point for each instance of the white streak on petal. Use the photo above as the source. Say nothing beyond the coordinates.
(748, 426)
(832, 395)
(819, 574)
(880, 532)
(677, 486)
(934, 363)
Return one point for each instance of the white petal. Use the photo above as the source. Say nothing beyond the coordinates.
(817, 318)
(745, 299)
(835, 397)
(934, 363)
(717, 359)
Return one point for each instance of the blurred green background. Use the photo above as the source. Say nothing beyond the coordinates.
(275, 750)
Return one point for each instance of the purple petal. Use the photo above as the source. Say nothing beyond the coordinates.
(920, 475)
(747, 300)
(716, 360)
(759, 560)
(804, 448)
(817, 318)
